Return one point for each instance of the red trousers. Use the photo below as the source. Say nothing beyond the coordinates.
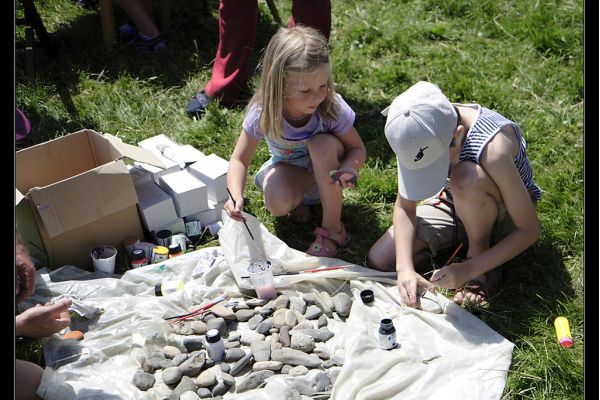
(237, 32)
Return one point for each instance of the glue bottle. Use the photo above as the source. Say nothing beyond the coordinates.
(563, 333)
(169, 286)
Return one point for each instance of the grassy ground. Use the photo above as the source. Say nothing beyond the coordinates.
(521, 58)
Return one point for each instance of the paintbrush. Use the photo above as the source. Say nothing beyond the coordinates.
(448, 262)
(244, 220)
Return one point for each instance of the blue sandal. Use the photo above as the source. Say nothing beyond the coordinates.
(198, 104)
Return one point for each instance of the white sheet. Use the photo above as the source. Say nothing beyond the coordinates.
(472, 364)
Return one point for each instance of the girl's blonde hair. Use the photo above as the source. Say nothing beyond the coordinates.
(297, 49)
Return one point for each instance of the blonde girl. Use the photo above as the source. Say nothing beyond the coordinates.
(309, 130)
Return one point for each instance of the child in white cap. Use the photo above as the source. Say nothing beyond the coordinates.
(463, 176)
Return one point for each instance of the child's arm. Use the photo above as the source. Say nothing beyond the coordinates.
(354, 158)
(237, 173)
(497, 159)
(405, 222)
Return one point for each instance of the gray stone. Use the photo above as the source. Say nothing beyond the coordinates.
(148, 367)
(328, 364)
(193, 364)
(179, 358)
(235, 354)
(189, 396)
(241, 364)
(244, 315)
(219, 389)
(261, 350)
(234, 336)
(199, 327)
(342, 304)
(264, 327)
(303, 342)
(254, 321)
(298, 370)
(225, 367)
(286, 368)
(297, 304)
(323, 321)
(220, 325)
(295, 357)
(313, 312)
(166, 363)
(254, 380)
(156, 361)
(143, 380)
(193, 343)
(223, 312)
(284, 336)
(186, 384)
(256, 302)
(290, 318)
(171, 375)
(323, 382)
(181, 328)
(333, 374)
(250, 336)
(204, 393)
(281, 302)
(270, 365)
(228, 379)
(231, 345)
(206, 378)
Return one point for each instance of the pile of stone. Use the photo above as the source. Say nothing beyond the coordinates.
(286, 335)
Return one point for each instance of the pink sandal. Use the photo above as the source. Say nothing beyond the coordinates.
(320, 249)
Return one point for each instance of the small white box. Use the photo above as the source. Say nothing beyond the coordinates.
(185, 154)
(176, 226)
(212, 170)
(156, 172)
(155, 206)
(209, 216)
(187, 191)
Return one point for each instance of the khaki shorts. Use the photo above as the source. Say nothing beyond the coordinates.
(435, 224)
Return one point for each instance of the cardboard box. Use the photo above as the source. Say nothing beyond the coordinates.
(212, 170)
(156, 207)
(78, 195)
(187, 191)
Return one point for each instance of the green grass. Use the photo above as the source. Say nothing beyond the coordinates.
(521, 58)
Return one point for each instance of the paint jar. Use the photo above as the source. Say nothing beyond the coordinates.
(138, 258)
(261, 277)
(163, 238)
(387, 334)
(147, 247)
(170, 286)
(103, 259)
(367, 296)
(214, 345)
(193, 228)
(175, 250)
(181, 239)
(159, 253)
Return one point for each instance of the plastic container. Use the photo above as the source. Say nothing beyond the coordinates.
(367, 296)
(261, 277)
(563, 332)
(214, 345)
(138, 258)
(163, 237)
(170, 286)
(159, 253)
(175, 250)
(387, 334)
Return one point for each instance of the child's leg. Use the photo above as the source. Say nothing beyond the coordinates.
(476, 199)
(326, 151)
(382, 255)
(284, 187)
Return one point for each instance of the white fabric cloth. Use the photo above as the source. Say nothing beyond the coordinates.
(467, 359)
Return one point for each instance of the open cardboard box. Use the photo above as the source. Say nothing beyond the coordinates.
(78, 194)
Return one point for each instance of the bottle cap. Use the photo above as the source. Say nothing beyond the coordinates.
(174, 248)
(138, 254)
(158, 289)
(213, 336)
(566, 342)
(367, 296)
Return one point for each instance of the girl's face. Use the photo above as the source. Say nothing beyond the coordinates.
(304, 91)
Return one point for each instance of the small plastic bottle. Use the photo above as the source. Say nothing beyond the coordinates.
(159, 253)
(387, 334)
(138, 258)
(563, 333)
(170, 286)
(214, 345)
(175, 250)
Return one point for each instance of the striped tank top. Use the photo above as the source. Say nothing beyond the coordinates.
(487, 124)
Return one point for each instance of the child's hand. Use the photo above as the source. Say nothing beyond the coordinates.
(345, 177)
(234, 209)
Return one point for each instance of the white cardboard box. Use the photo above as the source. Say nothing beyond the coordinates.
(138, 175)
(155, 206)
(212, 170)
(209, 216)
(187, 191)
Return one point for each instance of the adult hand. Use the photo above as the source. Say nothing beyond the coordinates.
(410, 285)
(234, 209)
(43, 320)
(24, 273)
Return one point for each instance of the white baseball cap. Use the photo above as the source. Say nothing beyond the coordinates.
(419, 128)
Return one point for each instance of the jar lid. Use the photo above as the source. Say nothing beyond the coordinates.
(165, 233)
(367, 296)
(158, 289)
(213, 336)
(160, 250)
(138, 254)
(174, 248)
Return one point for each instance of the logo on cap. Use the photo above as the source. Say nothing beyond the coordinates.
(420, 153)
